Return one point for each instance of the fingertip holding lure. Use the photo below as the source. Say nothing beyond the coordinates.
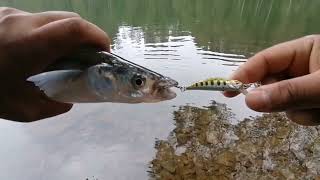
(220, 84)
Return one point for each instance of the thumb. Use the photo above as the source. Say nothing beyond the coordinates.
(297, 93)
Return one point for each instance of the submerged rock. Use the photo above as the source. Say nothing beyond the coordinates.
(205, 145)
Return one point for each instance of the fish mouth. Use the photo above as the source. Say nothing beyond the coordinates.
(162, 89)
(167, 83)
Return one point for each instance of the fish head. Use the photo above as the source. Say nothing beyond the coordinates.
(135, 85)
(127, 83)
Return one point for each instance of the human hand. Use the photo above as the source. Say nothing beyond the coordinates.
(29, 43)
(290, 74)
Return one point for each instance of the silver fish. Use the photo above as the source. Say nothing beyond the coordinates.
(103, 77)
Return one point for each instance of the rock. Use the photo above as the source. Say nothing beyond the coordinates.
(264, 147)
(226, 158)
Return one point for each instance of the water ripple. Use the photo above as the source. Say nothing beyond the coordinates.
(221, 54)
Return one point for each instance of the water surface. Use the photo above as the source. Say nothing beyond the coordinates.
(186, 40)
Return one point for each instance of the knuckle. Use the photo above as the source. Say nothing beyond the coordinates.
(7, 10)
(288, 93)
(73, 14)
(9, 19)
(313, 37)
(76, 26)
(63, 13)
(316, 39)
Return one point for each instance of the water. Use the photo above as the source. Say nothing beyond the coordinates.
(185, 40)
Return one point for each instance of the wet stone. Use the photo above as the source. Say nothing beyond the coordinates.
(264, 147)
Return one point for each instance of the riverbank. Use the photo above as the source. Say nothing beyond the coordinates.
(204, 145)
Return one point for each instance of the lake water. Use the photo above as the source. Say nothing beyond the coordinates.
(185, 40)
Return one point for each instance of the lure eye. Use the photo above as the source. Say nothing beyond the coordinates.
(138, 81)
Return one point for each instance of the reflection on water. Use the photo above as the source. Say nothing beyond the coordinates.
(238, 26)
(204, 145)
(188, 41)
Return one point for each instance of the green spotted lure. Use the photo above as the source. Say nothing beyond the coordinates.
(220, 84)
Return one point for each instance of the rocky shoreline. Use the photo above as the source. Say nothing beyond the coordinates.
(205, 145)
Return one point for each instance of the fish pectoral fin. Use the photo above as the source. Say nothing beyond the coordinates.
(53, 82)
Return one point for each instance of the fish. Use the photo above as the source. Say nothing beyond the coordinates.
(99, 76)
(220, 84)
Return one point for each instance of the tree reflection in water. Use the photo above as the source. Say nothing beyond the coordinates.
(205, 145)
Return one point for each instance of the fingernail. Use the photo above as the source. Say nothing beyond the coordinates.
(258, 100)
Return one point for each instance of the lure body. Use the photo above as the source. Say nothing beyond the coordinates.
(218, 84)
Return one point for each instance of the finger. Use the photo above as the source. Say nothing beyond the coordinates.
(5, 11)
(60, 38)
(26, 103)
(273, 79)
(291, 57)
(230, 94)
(297, 93)
(37, 109)
(310, 117)
(268, 80)
(42, 18)
(314, 64)
(69, 34)
(35, 105)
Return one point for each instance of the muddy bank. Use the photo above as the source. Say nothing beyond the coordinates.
(204, 145)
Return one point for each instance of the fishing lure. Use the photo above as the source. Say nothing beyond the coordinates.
(220, 84)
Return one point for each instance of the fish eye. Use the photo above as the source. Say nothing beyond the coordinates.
(138, 81)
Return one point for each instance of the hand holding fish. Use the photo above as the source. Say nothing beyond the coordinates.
(29, 43)
(290, 74)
